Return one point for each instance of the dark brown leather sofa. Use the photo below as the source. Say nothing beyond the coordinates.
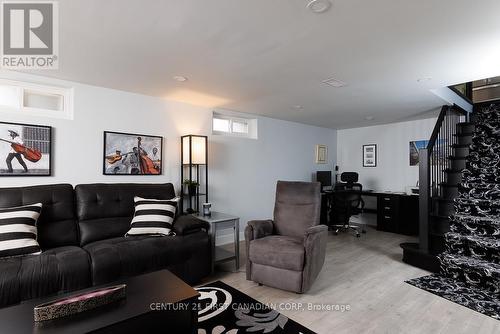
(81, 232)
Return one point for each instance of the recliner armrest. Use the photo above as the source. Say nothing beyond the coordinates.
(315, 229)
(256, 229)
(315, 248)
(188, 224)
(259, 228)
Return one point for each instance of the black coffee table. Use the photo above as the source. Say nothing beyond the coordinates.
(156, 302)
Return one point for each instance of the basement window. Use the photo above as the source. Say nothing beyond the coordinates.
(229, 125)
(36, 100)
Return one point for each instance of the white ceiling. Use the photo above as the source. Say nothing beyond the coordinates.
(266, 56)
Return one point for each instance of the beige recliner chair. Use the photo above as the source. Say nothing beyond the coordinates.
(289, 251)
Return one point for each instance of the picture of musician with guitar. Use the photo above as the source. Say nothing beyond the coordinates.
(24, 149)
(130, 154)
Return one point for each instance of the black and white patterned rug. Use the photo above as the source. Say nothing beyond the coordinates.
(461, 293)
(225, 310)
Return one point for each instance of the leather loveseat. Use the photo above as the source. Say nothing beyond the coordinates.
(81, 232)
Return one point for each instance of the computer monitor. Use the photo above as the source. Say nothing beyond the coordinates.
(324, 177)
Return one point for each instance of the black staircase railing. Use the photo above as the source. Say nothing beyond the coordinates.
(434, 161)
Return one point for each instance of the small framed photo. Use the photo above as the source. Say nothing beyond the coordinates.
(321, 154)
(370, 155)
(25, 149)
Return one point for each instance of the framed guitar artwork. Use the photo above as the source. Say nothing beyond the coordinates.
(132, 154)
(25, 149)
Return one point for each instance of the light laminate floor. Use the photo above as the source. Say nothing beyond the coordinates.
(368, 275)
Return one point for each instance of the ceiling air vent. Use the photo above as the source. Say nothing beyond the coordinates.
(334, 83)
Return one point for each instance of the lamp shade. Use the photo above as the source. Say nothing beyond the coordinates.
(194, 150)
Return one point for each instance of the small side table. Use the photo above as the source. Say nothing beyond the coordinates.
(220, 221)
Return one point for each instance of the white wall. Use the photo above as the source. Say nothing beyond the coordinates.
(243, 172)
(393, 171)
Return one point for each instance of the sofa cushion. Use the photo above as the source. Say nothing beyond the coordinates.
(57, 225)
(56, 270)
(18, 230)
(278, 251)
(112, 259)
(105, 210)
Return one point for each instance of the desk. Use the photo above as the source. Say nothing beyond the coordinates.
(396, 212)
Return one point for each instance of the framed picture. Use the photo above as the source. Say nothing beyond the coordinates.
(25, 149)
(415, 146)
(370, 155)
(438, 155)
(321, 154)
(132, 154)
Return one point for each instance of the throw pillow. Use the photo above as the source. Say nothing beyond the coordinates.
(18, 230)
(153, 216)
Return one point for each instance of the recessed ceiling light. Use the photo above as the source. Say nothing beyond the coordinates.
(424, 79)
(334, 83)
(369, 118)
(319, 6)
(180, 78)
(298, 107)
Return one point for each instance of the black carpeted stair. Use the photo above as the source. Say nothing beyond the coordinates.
(470, 263)
(476, 226)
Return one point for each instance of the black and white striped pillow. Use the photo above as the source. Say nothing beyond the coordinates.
(153, 216)
(18, 230)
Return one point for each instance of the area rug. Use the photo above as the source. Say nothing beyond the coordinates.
(460, 293)
(225, 310)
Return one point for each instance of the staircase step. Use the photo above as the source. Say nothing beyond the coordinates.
(466, 127)
(487, 130)
(481, 161)
(489, 118)
(476, 272)
(485, 146)
(437, 216)
(464, 134)
(479, 226)
(439, 225)
(453, 176)
(436, 243)
(418, 257)
(460, 150)
(458, 162)
(473, 190)
(473, 174)
(443, 206)
(449, 191)
(477, 207)
(479, 247)
(464, 138)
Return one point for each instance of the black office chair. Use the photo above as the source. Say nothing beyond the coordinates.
(347, 201)
(349, 179)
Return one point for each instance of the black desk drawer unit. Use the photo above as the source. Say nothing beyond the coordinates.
(388, 213)
(397, 213)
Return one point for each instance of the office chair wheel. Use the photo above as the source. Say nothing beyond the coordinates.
(335, 233)
(358, 235)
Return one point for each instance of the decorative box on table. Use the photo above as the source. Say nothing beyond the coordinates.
(79, 303)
